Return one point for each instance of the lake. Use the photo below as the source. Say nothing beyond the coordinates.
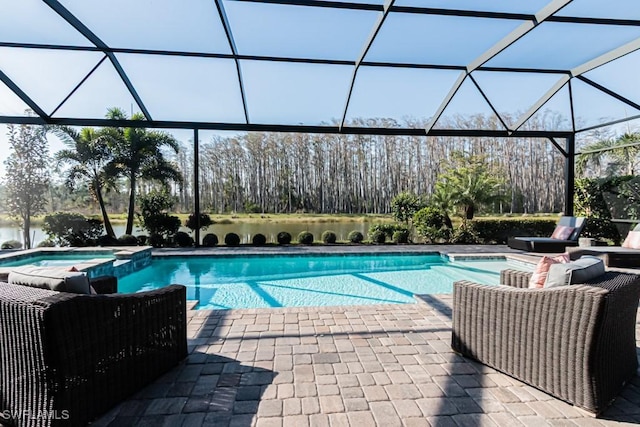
(246, 231)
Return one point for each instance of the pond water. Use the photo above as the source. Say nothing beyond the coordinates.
(246, 231)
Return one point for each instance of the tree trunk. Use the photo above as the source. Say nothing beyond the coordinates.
(26, 230)
(469, 211)
(132, 198)
(105, 217)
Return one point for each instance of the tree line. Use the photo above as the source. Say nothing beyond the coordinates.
(284, 172)
(281, 172)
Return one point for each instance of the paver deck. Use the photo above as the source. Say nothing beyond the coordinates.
(385, 365)
(375, 365)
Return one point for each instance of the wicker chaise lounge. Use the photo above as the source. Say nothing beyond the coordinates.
(551, 244)
(67, 358)
(574, 342)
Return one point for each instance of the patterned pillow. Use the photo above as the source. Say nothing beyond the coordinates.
(632, 241)
(562, 232)
(539, 276)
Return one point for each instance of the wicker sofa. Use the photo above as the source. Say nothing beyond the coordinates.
(575, 342)
(66, 358)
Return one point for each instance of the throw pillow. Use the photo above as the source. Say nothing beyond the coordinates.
(571, 273)
(632, 241)
(539, 276)
(562, 232)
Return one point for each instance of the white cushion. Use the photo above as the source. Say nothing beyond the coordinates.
(50, 278)
(571, 273)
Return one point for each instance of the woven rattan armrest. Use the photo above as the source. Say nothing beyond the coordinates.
(515, 278)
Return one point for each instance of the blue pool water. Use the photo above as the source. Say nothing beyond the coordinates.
(292, 281)
(62, 260)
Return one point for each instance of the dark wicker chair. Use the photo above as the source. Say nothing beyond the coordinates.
(67, 358)
(576, 342)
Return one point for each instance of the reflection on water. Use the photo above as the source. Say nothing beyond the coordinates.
(246, 231)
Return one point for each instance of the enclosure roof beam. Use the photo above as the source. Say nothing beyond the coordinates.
(500, 46)
(367, 45)
(610, 123)
(242, 127)
(24, 97)
(87, 33)
(232, 45)
(540, 102)
(450, 12)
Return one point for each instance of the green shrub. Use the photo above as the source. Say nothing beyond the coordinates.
(284, 238)
(71, 229)
(107, 241)
(11, 244)
(465, 234)
(305, 238)
(46, 244)
(231, 239)
(142, 239)
(127, 240)
(259, 240)
(378, 237)
(162, 223)
(401, 236)
(404, 206)
(329, 237)
(429, 223)
(387, 228)
(157, 240)
(209, 240)
(183, 240)
(154, 217)
(355, 236)
(191, 222)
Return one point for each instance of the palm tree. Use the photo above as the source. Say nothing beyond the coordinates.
(469, 184)
(91, 161)
(138, 155)
(615, 156)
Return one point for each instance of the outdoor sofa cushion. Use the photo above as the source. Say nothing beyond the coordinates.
(50, 278)
(633, 240)
(579, 271)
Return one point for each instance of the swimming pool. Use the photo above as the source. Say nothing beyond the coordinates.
(54, 260)
(293, 281)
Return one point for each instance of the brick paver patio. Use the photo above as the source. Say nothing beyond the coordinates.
(384, 365)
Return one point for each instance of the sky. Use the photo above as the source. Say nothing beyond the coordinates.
(207, 89)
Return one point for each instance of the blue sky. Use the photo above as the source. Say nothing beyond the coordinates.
(207, 89)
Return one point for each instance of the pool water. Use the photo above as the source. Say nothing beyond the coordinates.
(293, 281)
(66, 260)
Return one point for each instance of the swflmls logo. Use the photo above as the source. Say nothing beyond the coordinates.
(34, 415)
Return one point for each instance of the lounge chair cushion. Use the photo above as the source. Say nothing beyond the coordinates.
(562, 232)
(579, 271)
(632, 241)
(539, 276)
(52, 279)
